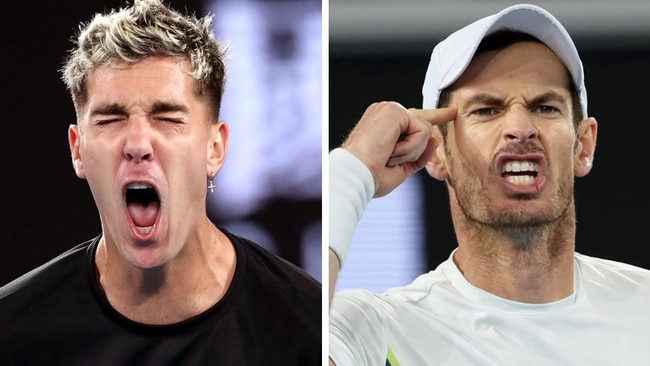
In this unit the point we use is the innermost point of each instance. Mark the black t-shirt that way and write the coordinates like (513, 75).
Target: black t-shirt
(58, 315)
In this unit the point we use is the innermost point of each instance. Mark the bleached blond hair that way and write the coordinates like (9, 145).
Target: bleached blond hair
(147, 28)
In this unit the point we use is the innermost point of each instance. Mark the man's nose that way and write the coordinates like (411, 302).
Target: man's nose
(519, 124)
(138, 141)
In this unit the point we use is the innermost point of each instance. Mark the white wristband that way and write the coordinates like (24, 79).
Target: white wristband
(351, 187)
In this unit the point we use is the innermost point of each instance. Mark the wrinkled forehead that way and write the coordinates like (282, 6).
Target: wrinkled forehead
(529, 62)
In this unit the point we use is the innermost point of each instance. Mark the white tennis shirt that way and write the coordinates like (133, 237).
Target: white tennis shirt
(442, 319)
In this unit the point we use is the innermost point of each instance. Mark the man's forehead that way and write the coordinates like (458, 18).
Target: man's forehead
(523, 62)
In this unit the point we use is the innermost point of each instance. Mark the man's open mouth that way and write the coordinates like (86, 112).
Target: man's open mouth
(520, 172)
(143, 204)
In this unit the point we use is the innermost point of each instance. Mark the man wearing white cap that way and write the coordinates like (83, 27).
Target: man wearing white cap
(505, 126)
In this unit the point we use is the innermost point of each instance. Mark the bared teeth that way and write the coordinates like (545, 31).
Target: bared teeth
(139, 185)
(144, 230)
(520, 172)
(516, 166)
(520, 179)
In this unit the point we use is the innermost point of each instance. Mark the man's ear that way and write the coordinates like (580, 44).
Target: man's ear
(586, 147)
(437, 164)
(217, 146)
(74, 141)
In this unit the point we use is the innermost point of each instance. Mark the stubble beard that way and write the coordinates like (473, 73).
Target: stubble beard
(522, 227)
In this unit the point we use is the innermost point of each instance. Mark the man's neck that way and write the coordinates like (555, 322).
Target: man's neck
(539, 272)
(188, 285)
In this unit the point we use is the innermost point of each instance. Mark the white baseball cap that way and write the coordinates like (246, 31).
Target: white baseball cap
(451, 57)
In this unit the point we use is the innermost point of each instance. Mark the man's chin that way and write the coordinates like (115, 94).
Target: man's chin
(147, 256)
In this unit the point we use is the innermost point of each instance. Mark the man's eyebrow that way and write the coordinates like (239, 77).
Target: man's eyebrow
(483, 98)
(118, 109)
(549, 96)
(162, 107)
(487, 99)
(108, 109)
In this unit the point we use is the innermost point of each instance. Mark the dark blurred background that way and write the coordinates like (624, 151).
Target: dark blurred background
(380, 51)
(45, 209)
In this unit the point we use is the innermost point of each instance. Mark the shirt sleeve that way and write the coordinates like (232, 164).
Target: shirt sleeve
(357, 329)
(351, 187)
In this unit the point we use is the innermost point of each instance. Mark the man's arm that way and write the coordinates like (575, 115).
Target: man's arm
(388, 144)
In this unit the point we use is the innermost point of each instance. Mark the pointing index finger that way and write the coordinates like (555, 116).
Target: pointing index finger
(437, 116)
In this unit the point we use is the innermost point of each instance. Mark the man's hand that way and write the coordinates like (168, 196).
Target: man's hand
(394, 142)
